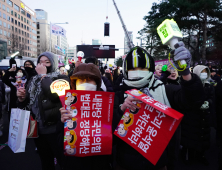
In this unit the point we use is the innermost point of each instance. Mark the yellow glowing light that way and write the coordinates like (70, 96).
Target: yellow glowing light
(22, 5)
(59, 86)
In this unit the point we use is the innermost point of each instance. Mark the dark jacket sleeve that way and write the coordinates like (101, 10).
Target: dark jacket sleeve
(2, 92)
(188, 95)
(117, 112)
(117, 83)
(107, 83)
(218, 91)
(1, 95)
(70, 73)
(46, 82)
(6, 77)
(164, 76)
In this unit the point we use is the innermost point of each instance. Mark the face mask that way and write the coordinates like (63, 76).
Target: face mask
(137, 74)
(203, 76)
(19, 74)
(49, 69)
(86, 86)
(29, 69)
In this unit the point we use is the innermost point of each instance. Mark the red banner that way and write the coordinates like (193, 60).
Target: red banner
(150, 128)
(89, 132)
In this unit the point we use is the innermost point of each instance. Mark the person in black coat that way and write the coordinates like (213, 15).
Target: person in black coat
(44, 107)
(214, 75)
(2, 100)
(218, 94)
(30, 69)
(170, 77)
(116, 74)
(9, 78)
(118, 84)
(195, 135)
(138, 74)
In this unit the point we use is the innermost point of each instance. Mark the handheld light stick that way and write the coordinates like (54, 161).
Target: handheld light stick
(170, 34)
(80, 55)
(60, 86)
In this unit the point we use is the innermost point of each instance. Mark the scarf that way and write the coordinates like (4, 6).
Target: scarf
(151, 87)
(35, 87)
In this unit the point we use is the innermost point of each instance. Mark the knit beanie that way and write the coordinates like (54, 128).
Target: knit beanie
(138, 57)
(213, 69)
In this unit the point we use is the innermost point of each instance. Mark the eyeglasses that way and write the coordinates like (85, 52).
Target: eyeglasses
(27, 65)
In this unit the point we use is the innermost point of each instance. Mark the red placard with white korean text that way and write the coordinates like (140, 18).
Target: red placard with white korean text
(89, 132)
(150, 128)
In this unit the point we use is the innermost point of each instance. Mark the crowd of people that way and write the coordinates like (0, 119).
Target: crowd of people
(196, 93)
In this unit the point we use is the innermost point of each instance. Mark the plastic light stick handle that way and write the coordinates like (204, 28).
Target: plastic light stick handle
(80, 58)
(172, 42)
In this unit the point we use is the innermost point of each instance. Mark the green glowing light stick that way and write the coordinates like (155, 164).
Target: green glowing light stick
(170, 34)
(164, 68)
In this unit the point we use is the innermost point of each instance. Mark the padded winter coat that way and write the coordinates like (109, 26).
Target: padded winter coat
(195, 126)
(48, 103)
(188, 95)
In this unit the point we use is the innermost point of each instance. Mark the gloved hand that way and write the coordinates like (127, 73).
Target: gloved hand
(181, 53)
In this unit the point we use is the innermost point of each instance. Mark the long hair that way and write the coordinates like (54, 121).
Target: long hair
(109, 77)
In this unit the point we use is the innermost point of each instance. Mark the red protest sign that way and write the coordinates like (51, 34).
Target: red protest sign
(89, 132)
(150, 128)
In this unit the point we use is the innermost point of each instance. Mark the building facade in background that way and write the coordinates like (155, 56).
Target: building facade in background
(71, 52)
(62, 43)
(43, 33)
(126, 48)
(17, 29)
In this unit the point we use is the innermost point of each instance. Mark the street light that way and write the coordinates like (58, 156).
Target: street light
(50, 43)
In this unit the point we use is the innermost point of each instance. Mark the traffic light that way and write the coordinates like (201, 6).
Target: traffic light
(106, 29)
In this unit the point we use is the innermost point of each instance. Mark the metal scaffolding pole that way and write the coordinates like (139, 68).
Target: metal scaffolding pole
(129, 41)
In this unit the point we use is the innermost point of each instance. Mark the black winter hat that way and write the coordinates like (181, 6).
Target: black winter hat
(138, 57)
(92, 60)
(213, 69)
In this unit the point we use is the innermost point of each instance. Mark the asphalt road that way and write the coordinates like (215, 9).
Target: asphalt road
(29, 160)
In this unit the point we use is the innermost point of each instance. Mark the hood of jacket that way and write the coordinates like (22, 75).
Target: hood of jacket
(199, 68)
(52, 58)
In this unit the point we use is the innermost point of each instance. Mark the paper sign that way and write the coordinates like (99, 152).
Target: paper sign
(60, 86)
(89, 132)
(150, 128)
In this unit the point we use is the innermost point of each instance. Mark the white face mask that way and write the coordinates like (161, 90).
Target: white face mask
(19, 74)
(136, 74)
(203, 76)
(86, 86)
